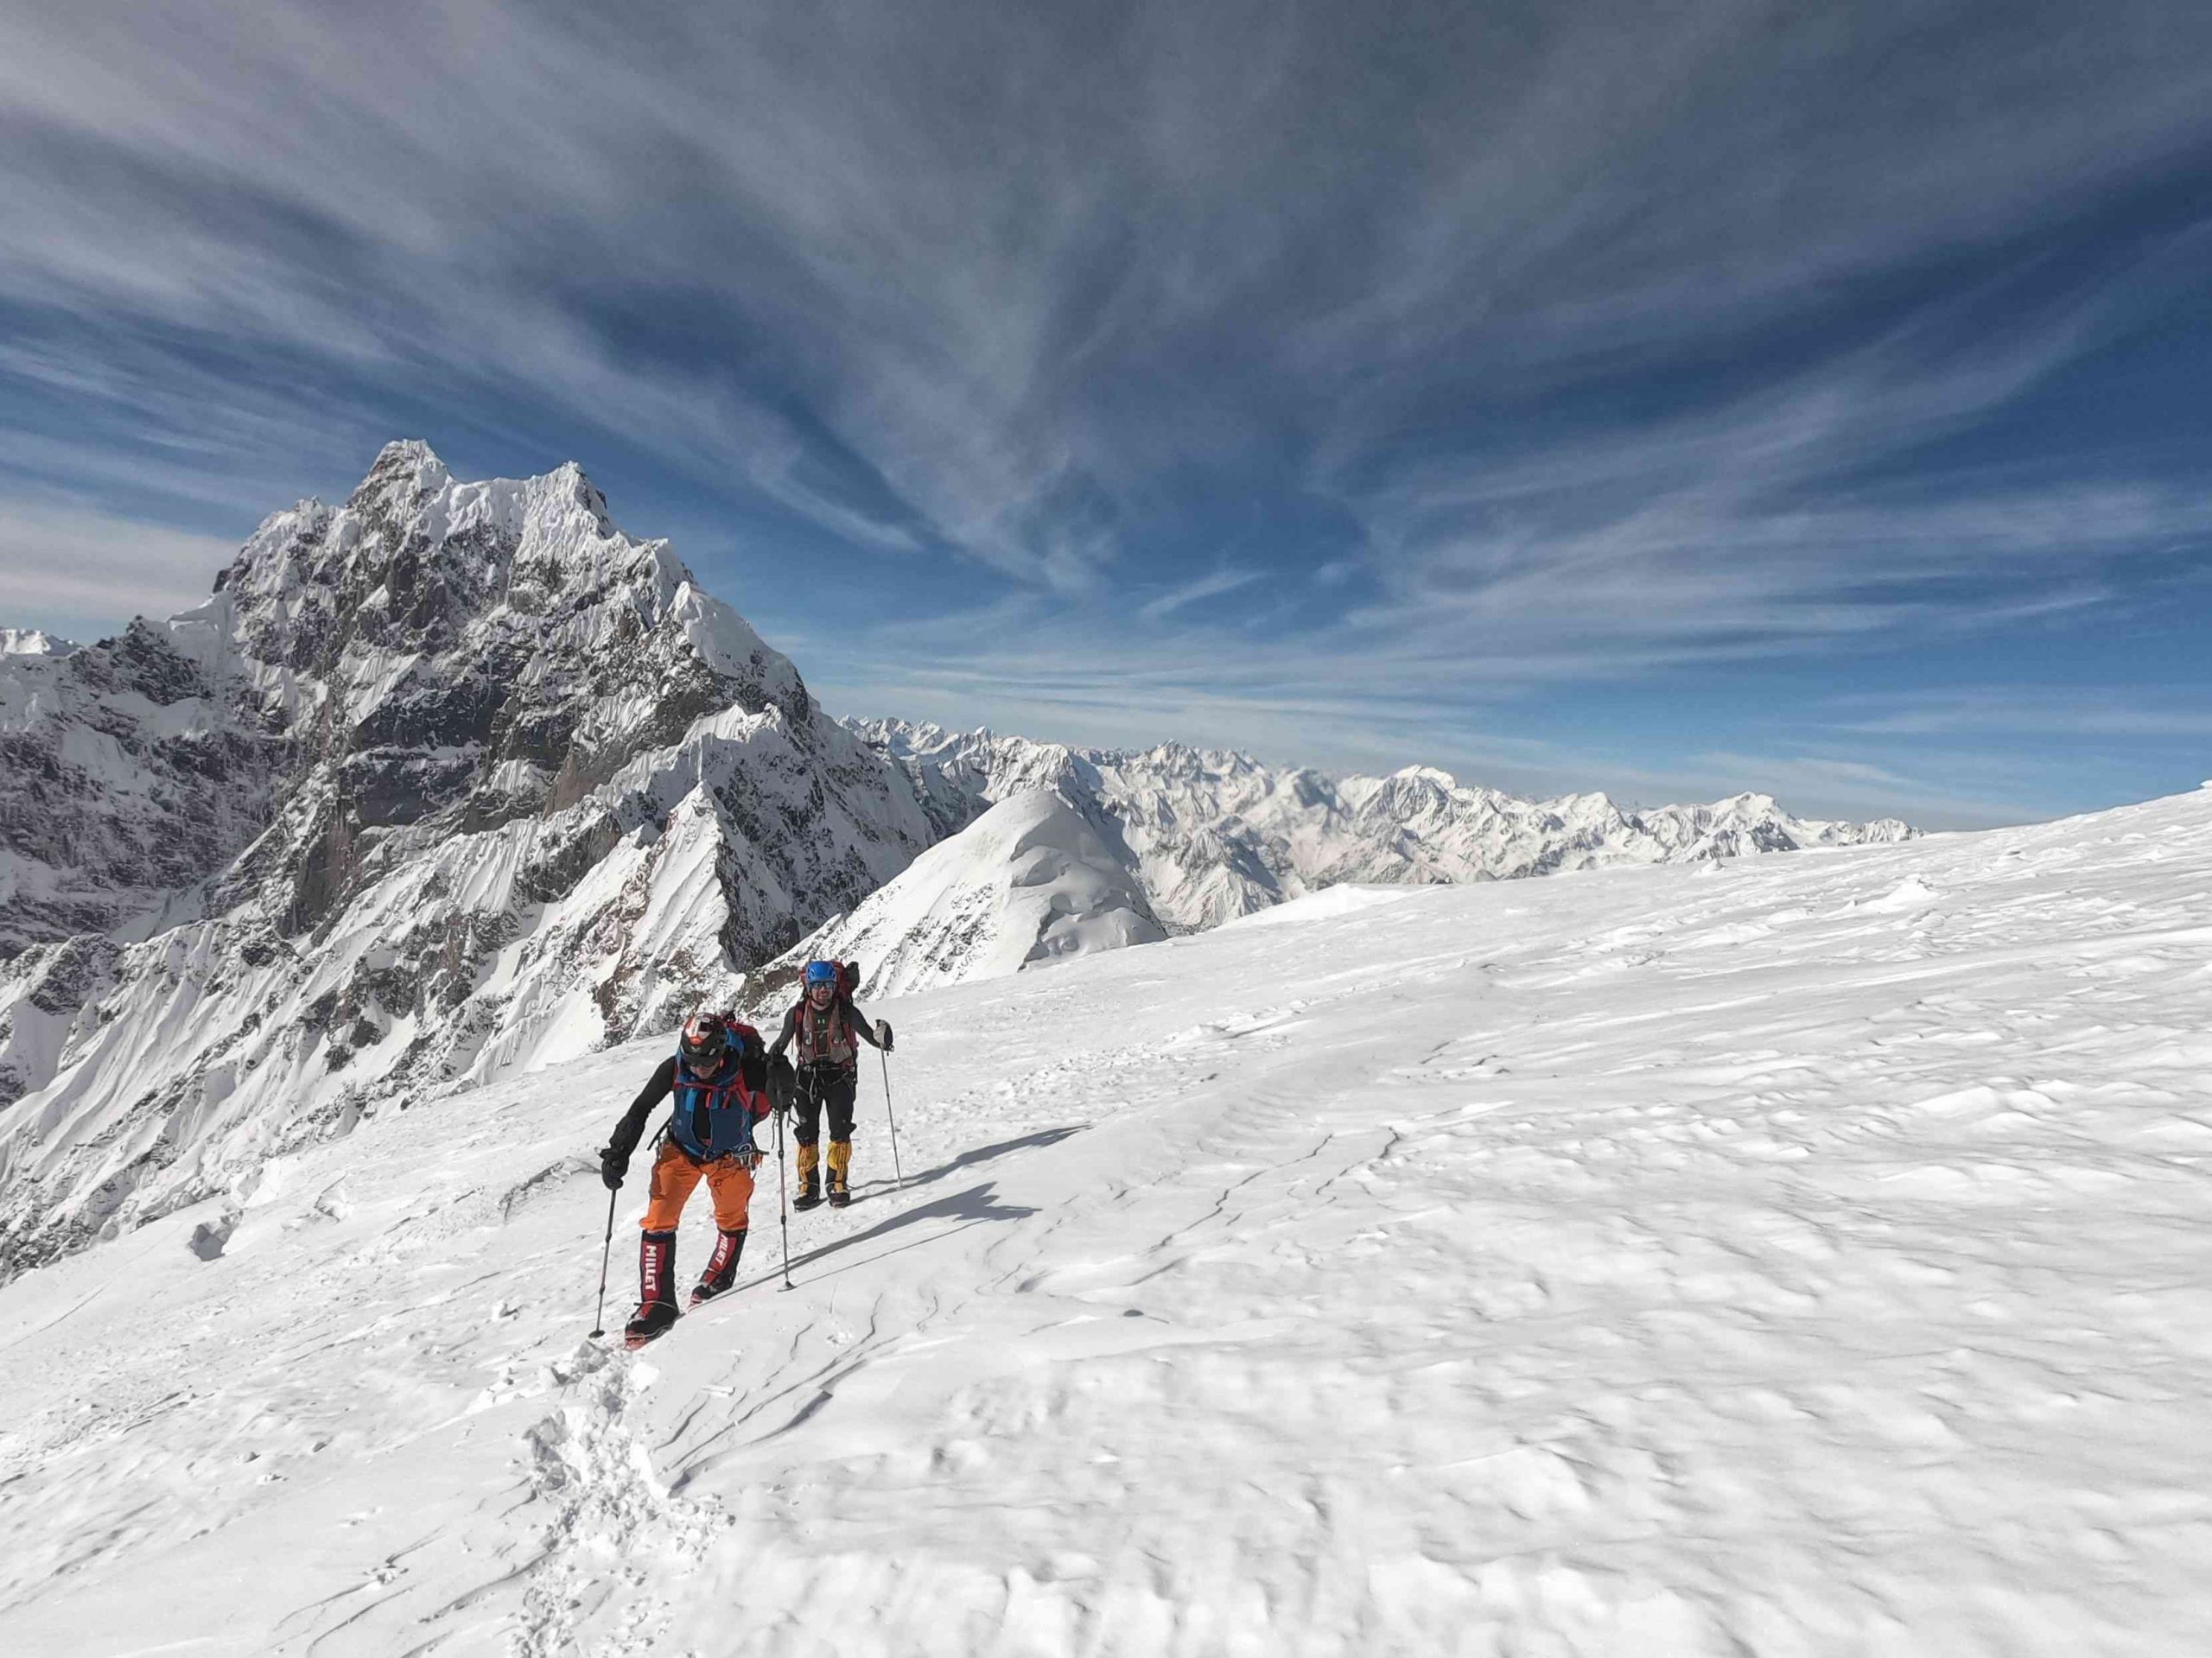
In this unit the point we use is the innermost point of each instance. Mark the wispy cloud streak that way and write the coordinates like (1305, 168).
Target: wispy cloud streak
(1556, 344)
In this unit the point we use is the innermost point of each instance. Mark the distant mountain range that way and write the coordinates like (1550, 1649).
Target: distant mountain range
(457, 779)
(1048, 850)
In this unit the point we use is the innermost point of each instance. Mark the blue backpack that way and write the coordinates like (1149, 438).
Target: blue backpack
(714, 1112)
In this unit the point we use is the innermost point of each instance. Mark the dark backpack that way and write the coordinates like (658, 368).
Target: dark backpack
(713, 1119)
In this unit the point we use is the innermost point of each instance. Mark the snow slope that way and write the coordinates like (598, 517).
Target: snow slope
(1801, 1257)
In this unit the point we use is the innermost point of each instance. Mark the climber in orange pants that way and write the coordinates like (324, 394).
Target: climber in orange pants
(718, 1076)
(676, 1175)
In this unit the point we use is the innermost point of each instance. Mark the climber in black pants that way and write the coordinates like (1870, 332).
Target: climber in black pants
(825, 1030)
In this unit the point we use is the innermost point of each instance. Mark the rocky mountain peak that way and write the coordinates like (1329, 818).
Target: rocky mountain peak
(452, 779)
(1426, 776)
(1748, 804)
(405, 472)
(466, 651)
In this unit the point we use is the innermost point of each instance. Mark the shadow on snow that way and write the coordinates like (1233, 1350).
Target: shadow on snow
(975, 1205)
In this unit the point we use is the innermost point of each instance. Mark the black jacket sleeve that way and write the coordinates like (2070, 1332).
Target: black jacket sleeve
(752, 1063)
(632, 1129)
(783, 1037)
(863, 1026)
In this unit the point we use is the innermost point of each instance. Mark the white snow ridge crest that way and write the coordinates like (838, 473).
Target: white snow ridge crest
(1028, 882)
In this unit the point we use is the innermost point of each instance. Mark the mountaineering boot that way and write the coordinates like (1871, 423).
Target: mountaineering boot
(656, 1289)
(841, 1169)
(653, 1320)
(810, 1178)
(721, 1267)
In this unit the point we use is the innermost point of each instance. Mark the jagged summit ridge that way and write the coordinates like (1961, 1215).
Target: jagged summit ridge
(525, 589)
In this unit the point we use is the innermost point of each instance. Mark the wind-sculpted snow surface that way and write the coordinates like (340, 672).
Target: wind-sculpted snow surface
(1798, 1256)
(1211, 835)
(453, 780)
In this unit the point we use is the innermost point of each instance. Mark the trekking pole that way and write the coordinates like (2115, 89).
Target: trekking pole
(892, 1115)
(783, 1208)
(605, 1254)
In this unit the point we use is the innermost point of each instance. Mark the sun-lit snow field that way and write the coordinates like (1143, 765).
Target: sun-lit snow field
(1811, 1254)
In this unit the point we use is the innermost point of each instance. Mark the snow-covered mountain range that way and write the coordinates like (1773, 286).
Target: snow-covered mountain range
(458, 779)
(1178, 840)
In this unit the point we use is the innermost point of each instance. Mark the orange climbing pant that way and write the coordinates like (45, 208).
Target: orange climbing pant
(676, 1175)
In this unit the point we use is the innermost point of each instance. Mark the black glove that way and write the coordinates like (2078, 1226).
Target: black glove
(613, 1165)
(883, 1034)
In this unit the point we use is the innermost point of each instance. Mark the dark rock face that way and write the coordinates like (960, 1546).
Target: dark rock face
(48, 983)
(122, 781)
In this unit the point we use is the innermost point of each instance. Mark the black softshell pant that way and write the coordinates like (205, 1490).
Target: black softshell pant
(830, 1087)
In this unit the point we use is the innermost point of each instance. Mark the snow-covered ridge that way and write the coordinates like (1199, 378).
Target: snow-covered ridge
(1027, 883)
(34, 642)
(1180, 840)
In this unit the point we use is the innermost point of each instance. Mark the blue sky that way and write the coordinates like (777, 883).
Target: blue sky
(1670, 400)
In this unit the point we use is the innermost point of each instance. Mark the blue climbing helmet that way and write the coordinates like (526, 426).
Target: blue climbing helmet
(821, 973)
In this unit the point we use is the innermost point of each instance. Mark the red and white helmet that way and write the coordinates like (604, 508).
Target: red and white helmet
(705, 1041)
